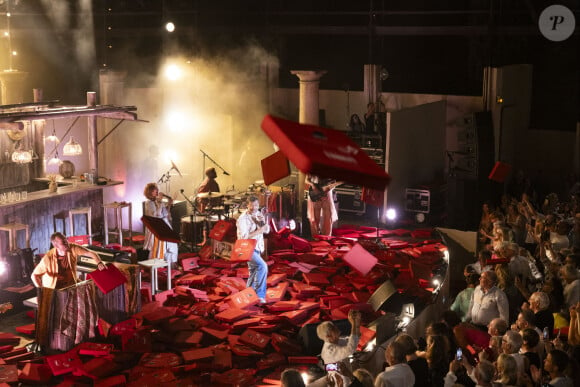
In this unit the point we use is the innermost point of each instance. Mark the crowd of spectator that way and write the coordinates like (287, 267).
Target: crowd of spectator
(516, 321)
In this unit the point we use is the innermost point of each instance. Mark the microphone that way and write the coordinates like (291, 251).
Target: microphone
(182, 190)
(167, 196)
(225, 173)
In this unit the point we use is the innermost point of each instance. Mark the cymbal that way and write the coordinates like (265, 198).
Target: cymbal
(204, 195)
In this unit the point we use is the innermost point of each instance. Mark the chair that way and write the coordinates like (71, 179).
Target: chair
(153, 265)
(12, 229)
(85, 211)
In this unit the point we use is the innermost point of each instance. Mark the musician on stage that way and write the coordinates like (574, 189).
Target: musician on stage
(156, 207)
(208, 185)
(252, 225)
(321, 204)
(58, 268)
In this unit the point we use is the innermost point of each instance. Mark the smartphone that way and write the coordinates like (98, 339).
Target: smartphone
(331, 367)
(459, 354)
(546, 333)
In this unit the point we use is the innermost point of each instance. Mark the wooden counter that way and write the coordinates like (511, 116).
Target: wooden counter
(44, 211)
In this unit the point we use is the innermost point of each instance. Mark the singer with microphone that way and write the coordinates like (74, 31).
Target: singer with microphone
(252, 225)
(156, 207)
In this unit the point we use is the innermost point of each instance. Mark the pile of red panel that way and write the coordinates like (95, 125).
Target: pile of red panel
(211, 330)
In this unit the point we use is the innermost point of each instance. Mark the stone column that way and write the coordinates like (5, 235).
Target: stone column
(38, 127)
(111, 92)
(309, 86)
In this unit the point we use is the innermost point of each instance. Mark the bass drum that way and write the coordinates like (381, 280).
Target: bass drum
(192, 232)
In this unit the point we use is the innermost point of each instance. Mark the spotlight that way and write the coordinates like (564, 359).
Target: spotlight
(173, 72)
(406, 316)
(391, 214)
(170, 27)
(305, 377)
(3, 268)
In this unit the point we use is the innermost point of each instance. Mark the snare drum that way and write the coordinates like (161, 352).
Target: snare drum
(192, 232)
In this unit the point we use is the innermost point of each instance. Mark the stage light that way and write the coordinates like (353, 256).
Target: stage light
(391, 214)
(173, 72)
(446, 255)
(170, 27)
(3, 268)
(176, 121)
(305, 377)
(406, 316)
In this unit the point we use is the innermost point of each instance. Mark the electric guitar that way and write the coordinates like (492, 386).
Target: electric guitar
(317, 192)
(5, 307)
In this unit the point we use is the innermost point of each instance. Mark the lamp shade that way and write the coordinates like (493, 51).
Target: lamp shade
(21, 156)
(72, 148)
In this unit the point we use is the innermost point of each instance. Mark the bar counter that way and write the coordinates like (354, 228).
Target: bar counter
(46, 212)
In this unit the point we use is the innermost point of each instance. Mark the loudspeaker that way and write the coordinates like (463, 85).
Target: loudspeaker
(309, 339)
(475, 156)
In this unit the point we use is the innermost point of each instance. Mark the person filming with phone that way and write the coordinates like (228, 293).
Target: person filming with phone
(336, 349)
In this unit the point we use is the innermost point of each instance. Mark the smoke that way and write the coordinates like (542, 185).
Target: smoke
(207, 115)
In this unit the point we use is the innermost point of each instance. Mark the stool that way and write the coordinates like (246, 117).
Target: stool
(12, 229)
(81, 211)
(118, 215)
(153, 265)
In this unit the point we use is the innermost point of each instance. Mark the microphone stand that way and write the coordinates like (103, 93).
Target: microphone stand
(194, 212)
(213, 161)
(165, 179)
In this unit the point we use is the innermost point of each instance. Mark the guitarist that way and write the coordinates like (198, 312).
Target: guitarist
(321, 211)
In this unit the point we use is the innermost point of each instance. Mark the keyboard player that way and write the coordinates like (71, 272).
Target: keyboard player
(58, 268)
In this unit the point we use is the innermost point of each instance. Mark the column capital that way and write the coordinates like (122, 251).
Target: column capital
(308, 75)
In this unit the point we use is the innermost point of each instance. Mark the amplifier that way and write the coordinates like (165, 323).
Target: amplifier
(350, 199)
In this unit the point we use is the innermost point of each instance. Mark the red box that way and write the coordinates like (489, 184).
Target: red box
(197, 354)
(217, 333)
(206, 251)
(271, 360)
(112, 381)
(94, 349)
(28, 329)
(9, 373)
(243, 250)
(35, 373)
(360, 259)
(316, 278)
(137, 341)
(285, 345)
(188, 337)
(82, 240)
(244, 298)
(300, 245)
(220, 230)
(242, 350)
(325, 152)
(63, 363)
(274, 279)
(97, 367)
(275, 167)
(107, 279)
(277, 293)
(254, 339)
(499, 172)
(222, 359)
(233, 314)
(189, 263)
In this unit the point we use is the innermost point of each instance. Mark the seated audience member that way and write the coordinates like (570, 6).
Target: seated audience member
(437, 359)
(530, 343)
(511, 343)
(507, 370)
(291, 378)
(398, 373)
(335, 348)
(418, 364)
(555, 365)
(526, 319)
(457, 375)
(571, 278)
(487, 302)
(364, 378)
(505, 282)
(461, 303)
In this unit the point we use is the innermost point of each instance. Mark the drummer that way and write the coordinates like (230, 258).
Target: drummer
(204, 201)
(207, 186)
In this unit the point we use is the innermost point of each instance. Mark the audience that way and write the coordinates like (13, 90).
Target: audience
(398, 373)
(527, 276)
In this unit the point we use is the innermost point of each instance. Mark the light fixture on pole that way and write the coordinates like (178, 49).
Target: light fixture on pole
(72, 148)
